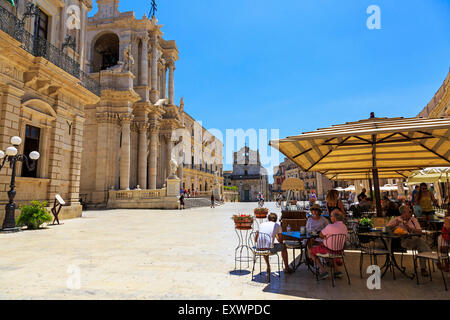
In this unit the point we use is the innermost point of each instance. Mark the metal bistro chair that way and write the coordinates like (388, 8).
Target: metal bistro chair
(260, 250)
(337, 241)
(440, 256)
(352, 239)
(368, 246)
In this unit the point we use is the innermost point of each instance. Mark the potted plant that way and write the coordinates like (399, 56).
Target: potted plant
(261, 213)
(243, 221)
(365, 225)
(34, 215)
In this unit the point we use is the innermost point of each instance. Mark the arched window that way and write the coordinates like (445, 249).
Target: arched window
(105, 52)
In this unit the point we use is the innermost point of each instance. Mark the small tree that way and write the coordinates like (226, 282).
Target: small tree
(34, 215)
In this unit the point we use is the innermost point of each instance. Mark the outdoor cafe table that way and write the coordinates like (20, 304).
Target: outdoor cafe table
(300, 237)
(386, 238)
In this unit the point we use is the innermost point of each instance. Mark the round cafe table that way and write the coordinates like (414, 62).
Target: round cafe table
(386, 238)
(299, 237)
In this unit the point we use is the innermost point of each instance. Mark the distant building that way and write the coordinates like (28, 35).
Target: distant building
(248, 175)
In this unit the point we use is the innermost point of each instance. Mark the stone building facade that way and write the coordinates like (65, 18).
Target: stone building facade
(135, 130)
(43, 93)
(201, 156)
(439, 106)
(249, 175)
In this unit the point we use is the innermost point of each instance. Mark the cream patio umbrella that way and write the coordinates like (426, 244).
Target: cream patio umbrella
(432, 175)
(290, 185)
(374, 147)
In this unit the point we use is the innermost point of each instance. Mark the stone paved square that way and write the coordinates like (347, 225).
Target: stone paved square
(153, 254)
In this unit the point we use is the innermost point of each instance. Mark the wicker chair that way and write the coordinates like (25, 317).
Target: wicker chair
(337, 241)
(259, 250)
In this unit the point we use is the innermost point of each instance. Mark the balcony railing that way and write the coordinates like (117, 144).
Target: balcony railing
(40, 47)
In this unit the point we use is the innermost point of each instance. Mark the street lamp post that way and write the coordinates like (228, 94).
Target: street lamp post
(11, 155)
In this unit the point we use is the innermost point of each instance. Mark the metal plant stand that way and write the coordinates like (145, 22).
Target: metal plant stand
(243, 247)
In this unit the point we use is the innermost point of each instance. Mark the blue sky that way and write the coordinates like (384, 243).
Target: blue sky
(299, 65)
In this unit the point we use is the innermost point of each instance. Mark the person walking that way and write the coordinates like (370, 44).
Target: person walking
(212, 201)
(182, 201)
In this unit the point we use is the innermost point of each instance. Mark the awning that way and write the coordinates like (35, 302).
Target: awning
(430, 175)
(371, 148)
(346, 152)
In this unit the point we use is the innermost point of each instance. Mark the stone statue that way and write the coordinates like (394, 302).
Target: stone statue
(181, 105)
(128, 58)
(173, 167)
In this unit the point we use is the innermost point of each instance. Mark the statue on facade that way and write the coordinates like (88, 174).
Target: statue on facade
(181, 105)
(128, 58)
(173, 168)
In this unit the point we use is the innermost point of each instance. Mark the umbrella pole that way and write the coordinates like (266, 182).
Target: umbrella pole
(376, 182)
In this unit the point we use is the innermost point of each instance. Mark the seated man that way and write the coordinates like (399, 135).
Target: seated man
(409, 223)
(336, 227)
(273, 229)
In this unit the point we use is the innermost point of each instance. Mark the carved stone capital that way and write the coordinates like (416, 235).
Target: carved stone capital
(142, 127)
(153, 126)
(106, 117)
(126, 118)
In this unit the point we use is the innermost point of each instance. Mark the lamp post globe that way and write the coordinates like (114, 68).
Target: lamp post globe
(15, 141)
(11, 151)
(11, 155)
(34, 155)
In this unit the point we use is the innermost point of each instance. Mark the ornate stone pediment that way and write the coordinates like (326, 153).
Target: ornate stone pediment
(39, 108)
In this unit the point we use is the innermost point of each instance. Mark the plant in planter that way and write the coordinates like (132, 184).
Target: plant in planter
(261, 213)
(34, 215)
(243, 221)
(365, 225)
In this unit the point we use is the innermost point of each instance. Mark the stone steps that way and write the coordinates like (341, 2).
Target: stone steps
(196, 202)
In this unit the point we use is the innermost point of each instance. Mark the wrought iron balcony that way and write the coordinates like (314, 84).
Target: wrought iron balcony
(40, 47)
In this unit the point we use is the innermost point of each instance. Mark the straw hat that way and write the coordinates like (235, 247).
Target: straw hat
(316, 207)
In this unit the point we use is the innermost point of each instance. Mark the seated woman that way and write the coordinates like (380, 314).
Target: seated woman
(315, 224)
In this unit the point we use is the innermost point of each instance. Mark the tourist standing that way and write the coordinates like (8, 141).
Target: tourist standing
(425, 199)
(333, 202)
(182, 201)
(212, 201)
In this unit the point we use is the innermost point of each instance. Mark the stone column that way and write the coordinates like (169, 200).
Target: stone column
(164, 83)
(153, 155)
(83, 36)
(171, 82)
(169, 147)
(75, 165)
(125, 151)
(155, 55)
(144, 62)
(142, 160)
